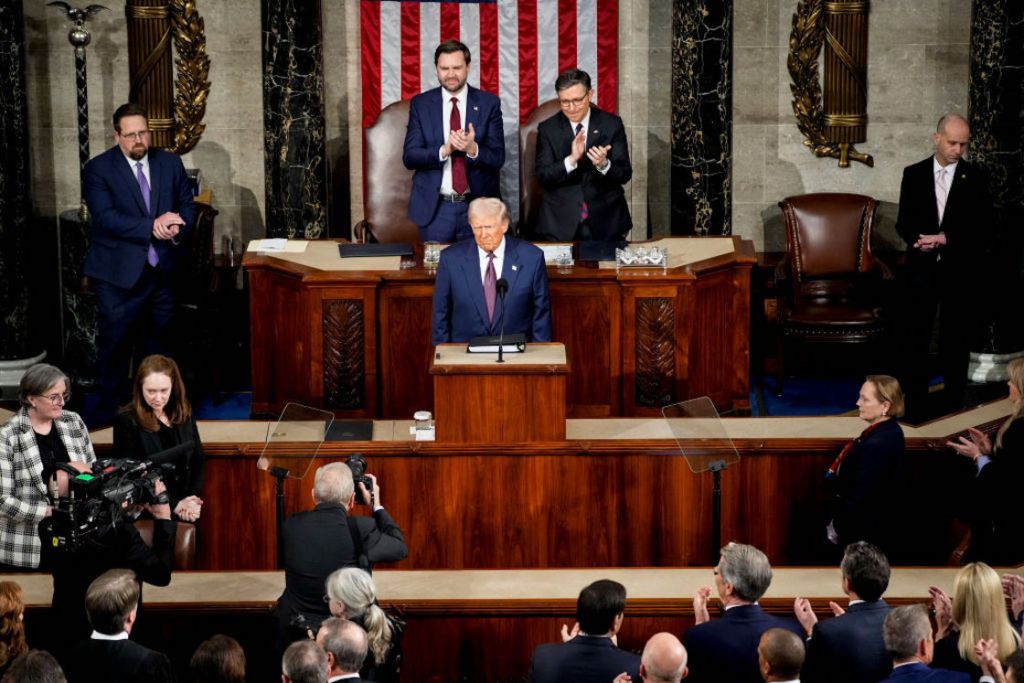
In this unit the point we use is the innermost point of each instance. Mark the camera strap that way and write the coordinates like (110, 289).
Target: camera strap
(363, 562)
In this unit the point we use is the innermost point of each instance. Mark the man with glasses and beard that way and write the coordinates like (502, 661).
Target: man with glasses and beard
(140, 205)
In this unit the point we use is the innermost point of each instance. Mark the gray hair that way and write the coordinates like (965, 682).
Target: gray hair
(345, 640)
(333, 483)
(305, 662)
(747, 569)
(355, 590)
(35, 666)
(40, 377)
(488, 206)
(904, 629)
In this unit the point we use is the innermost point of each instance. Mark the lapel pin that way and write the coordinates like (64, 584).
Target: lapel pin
(476, 108)
(515, 267)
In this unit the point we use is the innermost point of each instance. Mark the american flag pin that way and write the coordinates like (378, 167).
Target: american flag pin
(515, 267)
(476, 108)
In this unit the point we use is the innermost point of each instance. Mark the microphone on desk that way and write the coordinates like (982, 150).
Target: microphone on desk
(502, 288)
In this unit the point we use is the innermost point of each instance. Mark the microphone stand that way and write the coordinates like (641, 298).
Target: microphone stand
(502, 286)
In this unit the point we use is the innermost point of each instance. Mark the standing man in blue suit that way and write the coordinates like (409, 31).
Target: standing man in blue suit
(141, 205)
(465, 292)
(456, 145)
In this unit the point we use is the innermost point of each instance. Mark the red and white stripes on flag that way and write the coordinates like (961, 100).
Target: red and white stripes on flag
(518, 48)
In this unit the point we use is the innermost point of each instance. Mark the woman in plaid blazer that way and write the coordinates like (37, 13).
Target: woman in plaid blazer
(39, 437)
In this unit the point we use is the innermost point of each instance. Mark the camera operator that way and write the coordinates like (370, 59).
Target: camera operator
(113, 546)
(318, 541)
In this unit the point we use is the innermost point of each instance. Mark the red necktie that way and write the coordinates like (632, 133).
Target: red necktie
(490, 286)
(459, 182)
(584, 210)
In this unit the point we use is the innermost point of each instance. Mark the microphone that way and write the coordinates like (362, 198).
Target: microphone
(502, 288)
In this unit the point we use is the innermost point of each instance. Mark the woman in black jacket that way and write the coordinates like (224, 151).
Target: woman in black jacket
(159, 418)
(992, 511)
(866, 472)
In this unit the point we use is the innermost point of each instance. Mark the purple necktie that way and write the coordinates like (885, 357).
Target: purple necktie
(584, 210)
(490, 286)
(151, 257)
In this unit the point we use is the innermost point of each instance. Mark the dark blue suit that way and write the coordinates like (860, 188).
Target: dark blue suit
(127, 289)
(460, 311)
(725, 649)
(584, 659)
(425, 135)
(849, 648)
(919, 673)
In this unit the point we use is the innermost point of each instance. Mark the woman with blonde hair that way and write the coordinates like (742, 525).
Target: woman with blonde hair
(996, 536)
(976, 612)
(352, 594)
(12, 624)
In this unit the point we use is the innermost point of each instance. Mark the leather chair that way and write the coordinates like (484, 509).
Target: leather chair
(531, 194)
(184, 542)
(387, 183)
(831, 292)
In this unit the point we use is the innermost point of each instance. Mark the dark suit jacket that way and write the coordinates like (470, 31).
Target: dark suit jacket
(564, 193)
(997, 536)
(425, 135)
(460, 311)
(919, 673)
(583, 659)
(849, 648)
(117, 661)
(866, 485)
(133, 442)
(121, 228)
(966, 221)
(318, 541)
(725, 649)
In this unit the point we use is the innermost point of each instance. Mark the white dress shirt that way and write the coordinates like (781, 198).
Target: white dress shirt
(96, 635)
(499, 260)
(145, 170)
(570, 165)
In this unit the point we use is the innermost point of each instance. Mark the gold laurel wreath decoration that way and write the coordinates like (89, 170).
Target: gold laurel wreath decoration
(805, 41)
(192, 85)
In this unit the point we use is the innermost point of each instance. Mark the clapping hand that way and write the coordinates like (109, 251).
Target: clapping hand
(943, 607)
(700, 604)
(988, 658)
(976, 445)
(568, 635)
(1013, 588)
(804, 614)
(598, 155)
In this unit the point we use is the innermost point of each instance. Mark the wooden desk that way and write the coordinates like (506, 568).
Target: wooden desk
(355, 338)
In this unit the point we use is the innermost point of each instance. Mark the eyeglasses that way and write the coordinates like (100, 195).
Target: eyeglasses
(571, 104)
(138, 135)
(58, 399)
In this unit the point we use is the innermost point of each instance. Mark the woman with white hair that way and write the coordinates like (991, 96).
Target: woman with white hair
(34, 445)
(351, 594)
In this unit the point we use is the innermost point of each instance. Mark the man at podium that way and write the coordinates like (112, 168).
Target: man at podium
(479, 280)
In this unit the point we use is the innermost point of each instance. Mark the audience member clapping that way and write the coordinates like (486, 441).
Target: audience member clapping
(219, 659)
(976, 612)
(304, 662)
(992, 669)
(1013, 588)
(12, 624)
(780, 656)
(345, 645)
(35, 666)
(352, 594)
(908, 637)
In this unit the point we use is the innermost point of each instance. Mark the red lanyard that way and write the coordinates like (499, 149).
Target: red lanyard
(833, 470)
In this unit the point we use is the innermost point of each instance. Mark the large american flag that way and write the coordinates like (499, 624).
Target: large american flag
(518, 48)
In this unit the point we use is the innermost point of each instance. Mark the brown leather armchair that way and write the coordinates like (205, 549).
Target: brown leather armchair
(184, 542)
(387, 183)
(531, 194)
(831, 292)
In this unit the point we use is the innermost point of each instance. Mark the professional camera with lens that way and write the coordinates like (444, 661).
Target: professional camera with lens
(103, 499)
(357, 463)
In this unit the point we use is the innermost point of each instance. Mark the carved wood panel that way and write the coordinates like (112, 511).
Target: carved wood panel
(344, 364)
(655, 352)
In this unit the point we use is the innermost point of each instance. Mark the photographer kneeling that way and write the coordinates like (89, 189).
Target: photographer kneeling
(319, 541)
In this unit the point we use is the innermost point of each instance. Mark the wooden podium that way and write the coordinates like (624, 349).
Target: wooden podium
(478, 400)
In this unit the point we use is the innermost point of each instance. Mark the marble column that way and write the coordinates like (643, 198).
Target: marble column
(15, 341)
(997, 144)
(701, 117)
(294, 132)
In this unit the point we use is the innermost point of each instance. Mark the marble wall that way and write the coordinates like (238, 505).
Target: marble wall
(917, 69)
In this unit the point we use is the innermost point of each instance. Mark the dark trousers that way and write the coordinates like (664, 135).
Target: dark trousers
(450, 224)
(134, 319)
(930, 292)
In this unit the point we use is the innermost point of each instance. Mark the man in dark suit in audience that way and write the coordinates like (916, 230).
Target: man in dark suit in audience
(345, 644)
(466, 300)
(455, 144)
(590, 653)
(849, 647)
(945, 219)
(112, 603)
(318, 541)
(726, 649)
(140, 205)
(908, 638)
(780, 656)
(582, 164)
(304, 662)
(663, 661)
